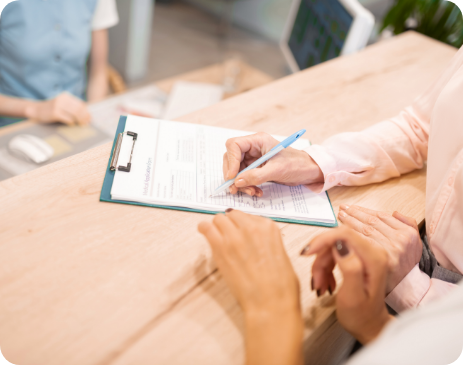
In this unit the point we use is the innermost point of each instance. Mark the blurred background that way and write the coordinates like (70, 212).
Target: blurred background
(189, 34)
(182, 35)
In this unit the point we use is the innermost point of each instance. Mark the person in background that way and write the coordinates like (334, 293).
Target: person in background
(44, 49)
(250, 255)
(431, 130)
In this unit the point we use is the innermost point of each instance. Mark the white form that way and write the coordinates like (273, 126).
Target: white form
(148, 101)
(180, 164)
(187, 97)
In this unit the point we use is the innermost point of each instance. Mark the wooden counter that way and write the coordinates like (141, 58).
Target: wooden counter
(86, 282)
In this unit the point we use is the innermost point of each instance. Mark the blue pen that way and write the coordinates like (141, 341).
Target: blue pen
(279, 147)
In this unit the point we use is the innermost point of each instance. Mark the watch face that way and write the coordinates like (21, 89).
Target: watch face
(319, 31)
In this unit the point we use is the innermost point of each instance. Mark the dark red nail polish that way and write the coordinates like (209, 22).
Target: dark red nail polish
(342, 248)
(305, 249)
(228, 210)
(311, 284)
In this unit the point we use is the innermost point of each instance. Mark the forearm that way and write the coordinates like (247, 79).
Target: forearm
(98, 78)
(273, 339)
(385, 150)
(381, 152)
(97, 86)
(374, 329)
(16, 107)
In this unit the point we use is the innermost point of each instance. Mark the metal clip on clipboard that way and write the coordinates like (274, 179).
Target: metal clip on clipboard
(117, 150)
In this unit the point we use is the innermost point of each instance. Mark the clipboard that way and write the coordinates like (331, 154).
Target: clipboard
(105, 195)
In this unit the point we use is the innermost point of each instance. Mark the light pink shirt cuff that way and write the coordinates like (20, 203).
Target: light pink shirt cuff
(437, 289)
(410, 291)
(327, 164)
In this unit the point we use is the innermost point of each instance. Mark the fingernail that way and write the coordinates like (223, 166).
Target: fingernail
(311, 284)
(342, 214)
(240, 183)
(330, 291)
(341, 247)
(228, 210)
(305, 250)
(318, 293)
(344, 207)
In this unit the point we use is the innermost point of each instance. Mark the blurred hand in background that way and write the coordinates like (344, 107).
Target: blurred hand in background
(64, 108)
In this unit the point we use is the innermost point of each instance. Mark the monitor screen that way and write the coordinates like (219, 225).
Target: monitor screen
(319, 31)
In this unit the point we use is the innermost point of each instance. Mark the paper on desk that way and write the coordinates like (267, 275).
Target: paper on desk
(187, 97)
(180, 164)
(147, 101)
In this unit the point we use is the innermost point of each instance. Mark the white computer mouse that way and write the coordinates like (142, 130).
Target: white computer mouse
(31, 148)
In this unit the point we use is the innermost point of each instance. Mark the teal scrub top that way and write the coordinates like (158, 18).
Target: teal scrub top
(44, 47)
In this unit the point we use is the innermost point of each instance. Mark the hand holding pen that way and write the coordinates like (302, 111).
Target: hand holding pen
(289, 167)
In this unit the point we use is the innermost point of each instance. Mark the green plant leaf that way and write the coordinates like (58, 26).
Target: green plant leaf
(398, 14)
(439, 19)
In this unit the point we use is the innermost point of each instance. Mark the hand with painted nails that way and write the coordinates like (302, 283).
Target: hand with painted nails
(250, 255)
(360, 306)
(395, 232)
(289, 167)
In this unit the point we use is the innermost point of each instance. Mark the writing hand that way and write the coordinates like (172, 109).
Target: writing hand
(289, 167)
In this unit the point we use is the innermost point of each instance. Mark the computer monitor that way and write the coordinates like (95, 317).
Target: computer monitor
(319, 30)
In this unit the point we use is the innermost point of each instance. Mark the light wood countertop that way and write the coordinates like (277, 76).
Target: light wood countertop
(87, 282)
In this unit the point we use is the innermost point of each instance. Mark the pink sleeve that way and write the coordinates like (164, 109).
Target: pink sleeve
(415, 289)
(385, 150)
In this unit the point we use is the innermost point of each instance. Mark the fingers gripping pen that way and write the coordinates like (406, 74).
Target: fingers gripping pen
(278, 148)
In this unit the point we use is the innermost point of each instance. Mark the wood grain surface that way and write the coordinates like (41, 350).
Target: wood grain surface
(87, 282)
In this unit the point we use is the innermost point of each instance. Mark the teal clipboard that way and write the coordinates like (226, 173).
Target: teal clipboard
(105, 195)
